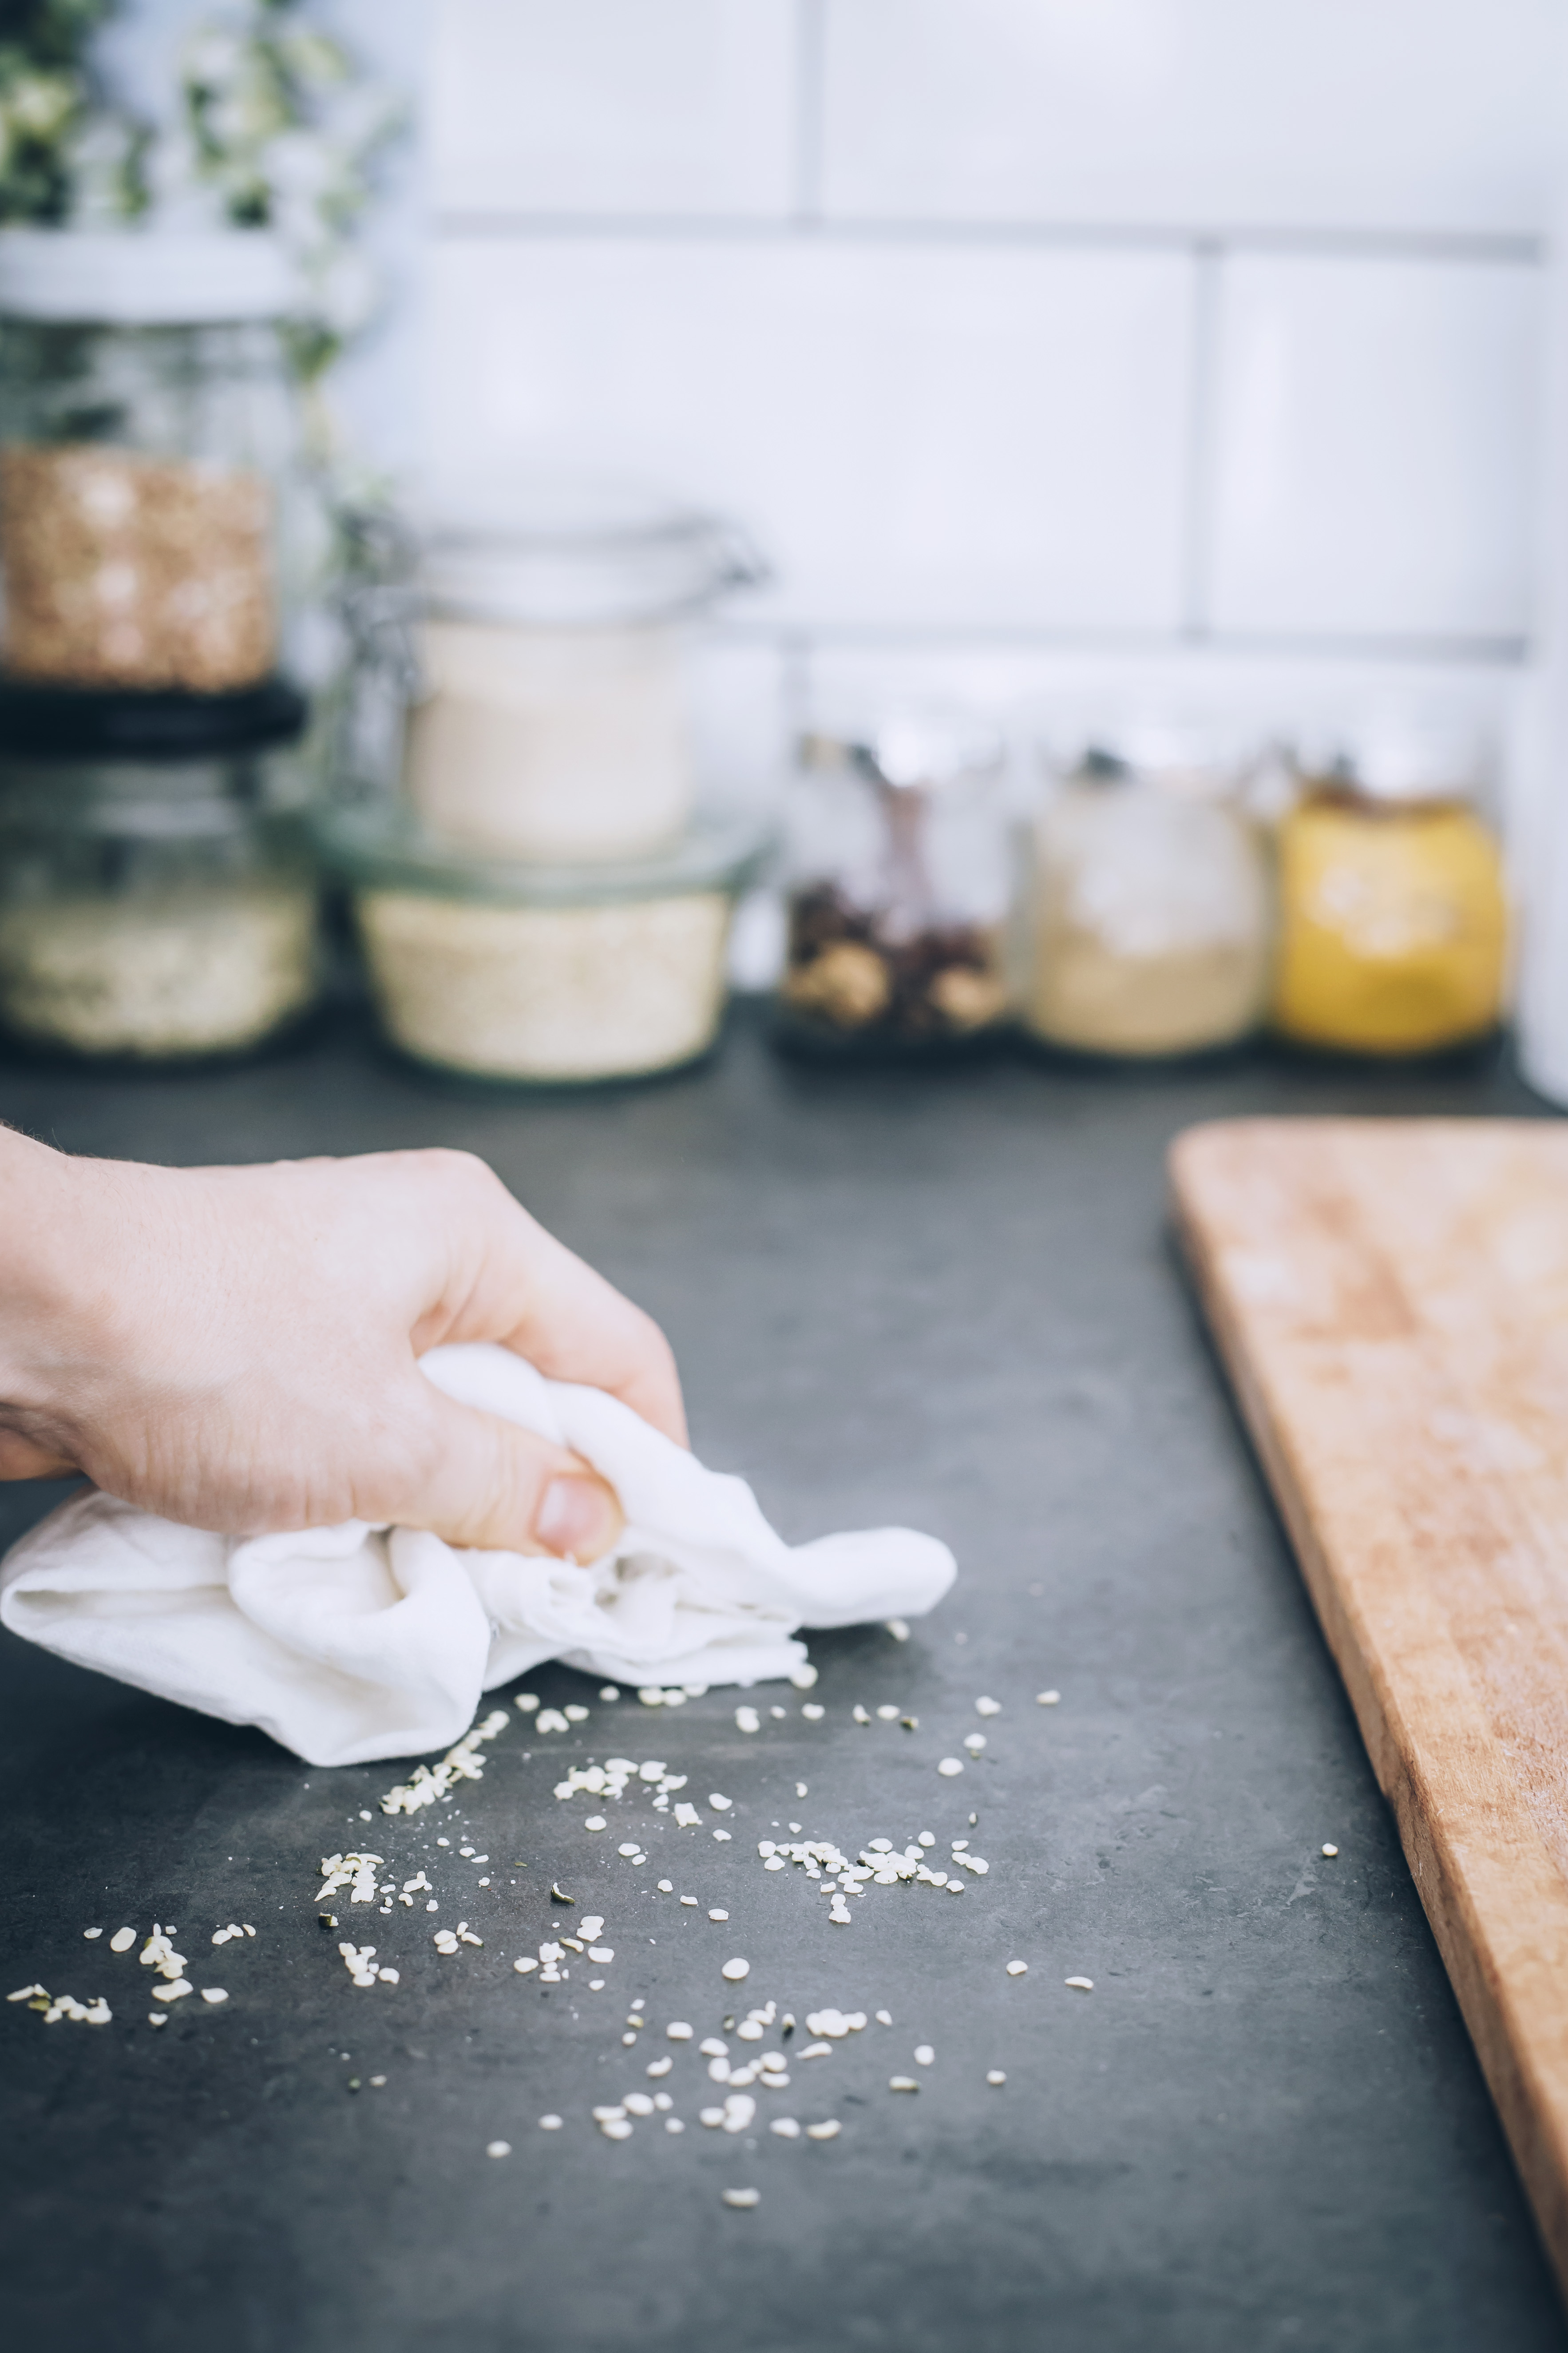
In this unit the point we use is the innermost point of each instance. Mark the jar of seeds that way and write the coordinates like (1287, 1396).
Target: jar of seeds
(899, 890)
(147, 446)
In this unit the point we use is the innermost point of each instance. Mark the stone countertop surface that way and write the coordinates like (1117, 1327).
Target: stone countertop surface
(948, 1299)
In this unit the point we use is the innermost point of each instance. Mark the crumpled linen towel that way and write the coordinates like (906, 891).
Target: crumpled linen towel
(355, 1643)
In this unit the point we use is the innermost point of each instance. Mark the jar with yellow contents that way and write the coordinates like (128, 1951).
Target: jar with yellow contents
(1394, 920)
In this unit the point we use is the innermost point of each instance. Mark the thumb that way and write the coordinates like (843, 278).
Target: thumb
(500, 1489)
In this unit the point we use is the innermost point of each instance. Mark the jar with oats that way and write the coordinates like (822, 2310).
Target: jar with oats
(1393, 934)
(551, 975)
(148, 443)
(158, 899)
(899, 891)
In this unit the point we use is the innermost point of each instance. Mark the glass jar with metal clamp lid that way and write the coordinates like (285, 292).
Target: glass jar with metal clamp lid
(899, 889)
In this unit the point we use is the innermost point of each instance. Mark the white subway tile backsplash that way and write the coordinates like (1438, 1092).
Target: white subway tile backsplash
(1375, 435)
(1359, 114)
(921, 435)
(614, 106)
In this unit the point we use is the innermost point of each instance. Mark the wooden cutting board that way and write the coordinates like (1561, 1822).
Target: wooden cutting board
(1391, 1299)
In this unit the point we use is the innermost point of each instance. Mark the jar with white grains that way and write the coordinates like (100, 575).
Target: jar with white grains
(551, 720)
(550, 974)
(158, 900)
(1150, 915)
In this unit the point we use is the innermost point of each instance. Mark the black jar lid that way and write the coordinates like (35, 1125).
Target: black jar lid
(63, 722)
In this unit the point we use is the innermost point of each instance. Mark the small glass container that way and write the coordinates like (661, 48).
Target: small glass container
(552, 720)
(1150, 912)
(554, 975)
(898, 892)
(148, 440)
(1394, 912)
(158, 900)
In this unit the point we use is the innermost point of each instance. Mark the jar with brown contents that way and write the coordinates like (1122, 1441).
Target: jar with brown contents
(147, 446)
(899, 902)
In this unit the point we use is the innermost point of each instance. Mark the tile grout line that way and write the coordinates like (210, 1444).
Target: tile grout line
(810, 104)
(1202, 444)
(1482, 249)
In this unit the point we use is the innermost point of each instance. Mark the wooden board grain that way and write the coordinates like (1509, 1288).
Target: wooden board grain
(1390, 1300)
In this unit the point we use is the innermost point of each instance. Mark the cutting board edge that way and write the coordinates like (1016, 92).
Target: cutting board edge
(1535, 2134)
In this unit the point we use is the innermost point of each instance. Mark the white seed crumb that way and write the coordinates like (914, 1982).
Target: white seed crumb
(1047, 1699)
(609, 1691)
(651, 1695)
(1017, 1968)
(575, 1713)
(601, 1952)
(887, 1715)
(122, 1940)
(676, 1698)
(637, 2103)
(897, 1629)
(156, 2018)
(596, 1822)
(786, 2128)
(629, 1848)
(723, 1837)
(884, 2017)
(525, 1966)
(996, 2076)
(803, 1676)
(666, 1886)
(550, 2123)
(975, 1742)
(526, 1702)
(673, 2125)
(596, 1985)
(214, 1993)
(90, 1932)
(859, 1714)
(660, 2066)
(902, 2084)
(497, 2149)
(661, 2101)
(735, 1971)
(800, 1789)
(1330, 1850)
(678, 2031)
(812, 1712)
(711, 2117)
(741, 2197)
(747, 1720)
(948, 1765)
(778, 1714)
(714, 2048)
(718, 1915)
(616, 2128)
(827, 2130)
(628, 2040)
(924, 2054)
(987, 1708)
(719, 1803)
(1084, 1985)
(689, 1899)
(927, 1838)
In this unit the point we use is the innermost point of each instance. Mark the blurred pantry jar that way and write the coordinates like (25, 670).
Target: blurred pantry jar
(148, 453)
(1149, 916)
(158, 897)
(551, 721)
(899, 890)
(554, 975)
(1393, 933)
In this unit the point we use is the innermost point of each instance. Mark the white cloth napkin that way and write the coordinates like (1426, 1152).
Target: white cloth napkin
(355, 1643)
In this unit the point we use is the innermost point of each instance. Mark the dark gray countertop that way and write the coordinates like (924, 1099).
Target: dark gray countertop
(948, 1299)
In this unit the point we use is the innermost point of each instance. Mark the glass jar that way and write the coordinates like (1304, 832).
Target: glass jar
(157, 893)
(1150, 915)
(1394, 914)
(552, 722)
(898, 890)
(147, 442)
(562, 975)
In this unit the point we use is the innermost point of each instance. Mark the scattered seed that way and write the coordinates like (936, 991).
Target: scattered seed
(996, 2076)
(735, 1971)
(723, 1836)
(859, 1715)
(214, 1993)
(637, 2103)
(616, 2128)
(803, 1676)
(720, 1805)
(689, 1899)
(924, 2054)
(718, 1915)
(525, 1702)
(90, 1932)
(887, 1715)
(800, 1789)
(673, 2125)
(910, 1722)
(747, 1720)
(666, 1886)
(902, 2084)
(651, 1695)
(741, 2197)
(884, 2017)
(711, 2117)
(1017, 1968)
(1329, 1851)
(827, 2130)
(525, 1966)
(812, 1712)
(898, 1630)
(552, 2123)
(609, 1691)
(739, 2110)
(660, 2066)
(122, 1940)
(596, 1822)
(950, 1765)
(785, 2127)
(575, 1715)
(975, 1742)
(1047, 1699)
(497, 2149)
(1084, 1985)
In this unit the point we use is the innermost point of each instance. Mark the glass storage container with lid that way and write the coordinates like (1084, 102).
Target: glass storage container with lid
(1394, 916)
(550, 973)
(157, 892)
(1150, 918)
(898, 889)
(148, 438)
(552, 720)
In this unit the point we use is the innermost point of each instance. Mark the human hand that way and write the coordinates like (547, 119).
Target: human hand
(236, 1349)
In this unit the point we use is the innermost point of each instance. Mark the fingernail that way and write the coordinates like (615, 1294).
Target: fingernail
(577, 1516)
